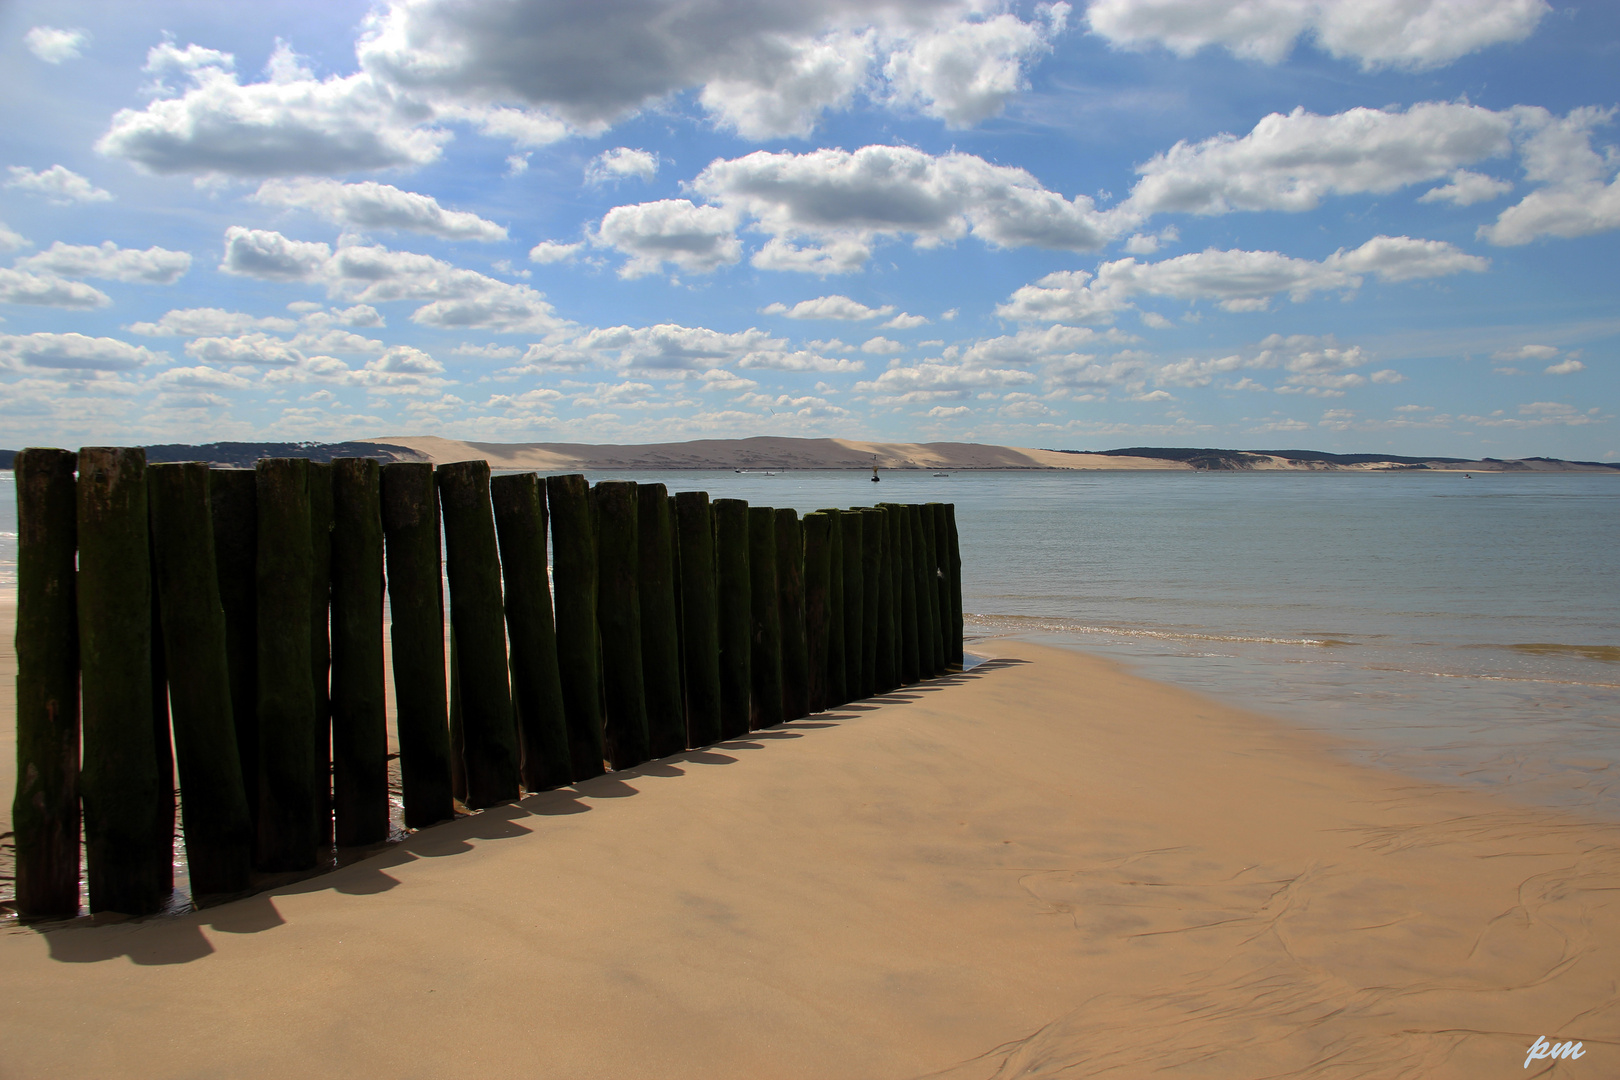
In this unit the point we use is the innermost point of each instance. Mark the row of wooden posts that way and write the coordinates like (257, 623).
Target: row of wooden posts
(228, 624)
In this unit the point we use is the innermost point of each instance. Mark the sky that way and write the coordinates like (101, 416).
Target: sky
(1344, 225)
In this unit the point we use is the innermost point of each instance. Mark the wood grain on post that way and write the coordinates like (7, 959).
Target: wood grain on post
(458, 733)
(410, 515)
(473, 565)
(765, 703)
(906, 592)
(735, 624)
(618, 573)
(660, 624)
(520, 526)
(790, 590)
(817, 565)
(233, 496)
(955, 572)
(218, 828)
(320, 640)
(45, 812)
(359, 705)
(854, 601)
(928, 641)
(700, 619)
(940, 548)
(872, 588)
(574, 574)
(129, 866)
(835, 664)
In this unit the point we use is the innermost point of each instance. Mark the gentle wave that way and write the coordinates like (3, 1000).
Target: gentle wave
(1608, 654)
(1031, 622)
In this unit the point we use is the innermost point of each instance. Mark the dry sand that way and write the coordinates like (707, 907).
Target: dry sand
(1042, 867)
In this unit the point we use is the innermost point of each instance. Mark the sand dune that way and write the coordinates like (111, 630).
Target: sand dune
(1041, 867)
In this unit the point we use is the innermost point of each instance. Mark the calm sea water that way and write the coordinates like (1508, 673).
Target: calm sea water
(1459, 629)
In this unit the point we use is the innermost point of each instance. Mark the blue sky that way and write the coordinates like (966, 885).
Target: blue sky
(1351, 225)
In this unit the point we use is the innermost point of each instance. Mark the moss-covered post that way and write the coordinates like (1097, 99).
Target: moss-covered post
(700, 617)
(660, 624)
(872, 587)
(520, 526)
(618, 553)
(45, 813)
(320, 640)
(854, 600)
(790, 593)
(233, 505)
(410, 514)
(765, 702)
(359, 707)
(473, 566)
(817, 565)
(954, 571)
(288, 832)
(836, 665)
(218, 830)
(735, 623)
(574, 574)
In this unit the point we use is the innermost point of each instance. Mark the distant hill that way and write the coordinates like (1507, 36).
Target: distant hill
(244, 454)
(1245, 460)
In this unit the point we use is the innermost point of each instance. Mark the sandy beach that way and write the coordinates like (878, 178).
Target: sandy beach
(1042, 865)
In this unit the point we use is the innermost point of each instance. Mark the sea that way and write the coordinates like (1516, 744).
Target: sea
(1459, 628)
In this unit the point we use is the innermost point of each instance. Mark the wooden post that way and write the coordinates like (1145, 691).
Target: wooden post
(940, 549)
(520, 525)
(765, 704)
(458, 730)
(618, 553)
(700, 619)
(288, 833)
(410, 515)
(906, 610)
(735, 623)
(45, 813)
(817, 566)
(163, 825)
(680, 620)
(660, 624)
(574, 574)
(233, 505)
(218, 829)
(320, 640)
(955, 573)
(790, 591)
(872, 587)
(129, 869)
(477, 615)
(359, 706)
(929, 649)
(835, 668)
(854, 600)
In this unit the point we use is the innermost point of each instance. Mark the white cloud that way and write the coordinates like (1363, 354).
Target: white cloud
(517, 164)
(54, 46)
(1412, 34)
(719, 380)
(258, 349)
(786, 93)
(154, 266)
(47, 290)
(549, 251)
(370, 205)
(934, 380)
(905, 321)
(1526, 352)
(697, 239)
(1388, 376)
(1237, 280)
(619, 163)
(1540, 414)
(1581, 195)
(76, 352)
(58, 183)
(671, 349)
(829, 307)
(1564, 367)
(881, 345)
(1467, 188)
(11, 241)
(966, 72)
(262, 253)
(834, 257)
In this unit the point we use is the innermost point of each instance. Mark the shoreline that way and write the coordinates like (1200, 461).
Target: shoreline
(1043, 860)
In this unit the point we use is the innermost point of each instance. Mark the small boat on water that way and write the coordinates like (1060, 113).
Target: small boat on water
(875, 478)
(942, 474)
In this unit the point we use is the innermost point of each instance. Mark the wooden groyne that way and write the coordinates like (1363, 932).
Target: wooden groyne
(213, 639)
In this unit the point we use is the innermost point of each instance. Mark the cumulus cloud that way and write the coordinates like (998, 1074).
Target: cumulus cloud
(370, 205)
(672, 350)
(1536, 414)
(1236, 280)
(935, 380)
(263, 253)
(906, 321)
(1581, 195)
(58, 183)
(620, 163)
(828, 307)
(1467, 188)
(54, 46)
(74, 351)
(1526, 352)
(697, 239)
(11, 241)
(257, 349)
(154, 266)
(965, 73)
(1411, 34)
(48, 290)
(881, 345)
(549, 251)
(1567, 366)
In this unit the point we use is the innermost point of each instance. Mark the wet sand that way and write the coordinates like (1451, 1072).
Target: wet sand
(1042, 865)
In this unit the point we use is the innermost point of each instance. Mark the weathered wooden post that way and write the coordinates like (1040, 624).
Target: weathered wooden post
(941, 549)
(854, 600)
(477, 614)
(233, 496)
(928, 637)
(618, 554)
(520, 525)
(660, 624)
(162, 740)
(700, 619)
(359, 707)
(906, 610)
(872, 587)
(45, 813)
(410, 514)
(955, 573)
(835, 664)
(817, 566)
(129, 866)
(218, 829)
(735, 627)
(790, 593)
(458, 730)
(574, 574)
(320, 641)
(288, 832)
(765, 705)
